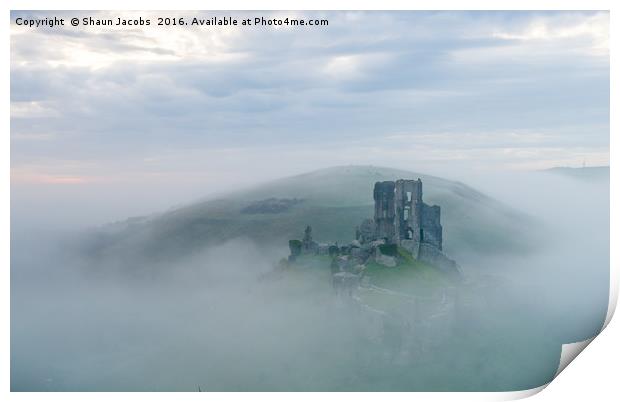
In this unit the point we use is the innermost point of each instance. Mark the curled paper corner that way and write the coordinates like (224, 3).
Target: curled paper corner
(516, 395)
(569, 352)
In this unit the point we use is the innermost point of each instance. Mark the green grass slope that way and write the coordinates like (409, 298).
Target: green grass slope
(335, 201)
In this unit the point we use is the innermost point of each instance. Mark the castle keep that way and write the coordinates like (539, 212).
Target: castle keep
(401, 217)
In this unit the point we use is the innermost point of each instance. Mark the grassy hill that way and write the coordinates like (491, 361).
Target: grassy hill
(332, 200)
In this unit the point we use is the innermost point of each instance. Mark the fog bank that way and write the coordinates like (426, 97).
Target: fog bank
(225, 320)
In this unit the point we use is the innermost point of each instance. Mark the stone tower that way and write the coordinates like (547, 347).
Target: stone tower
(408, 205)
(401, 217)
(384, 210)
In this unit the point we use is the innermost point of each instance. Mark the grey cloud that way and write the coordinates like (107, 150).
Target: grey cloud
(431, 73)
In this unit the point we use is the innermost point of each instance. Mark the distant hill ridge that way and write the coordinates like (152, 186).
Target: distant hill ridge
(583, 173)
(333, 200)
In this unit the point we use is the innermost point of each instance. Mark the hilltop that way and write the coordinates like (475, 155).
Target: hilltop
(334, 200)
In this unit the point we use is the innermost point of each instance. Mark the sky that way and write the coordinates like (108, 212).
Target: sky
(160, 115)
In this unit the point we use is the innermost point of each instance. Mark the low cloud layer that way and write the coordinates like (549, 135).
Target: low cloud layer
(217, 321)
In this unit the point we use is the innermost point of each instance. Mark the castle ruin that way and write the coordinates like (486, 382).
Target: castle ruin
(401, 219)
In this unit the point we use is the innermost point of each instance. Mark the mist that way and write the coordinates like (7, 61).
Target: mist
(227, 318)
(563, 287)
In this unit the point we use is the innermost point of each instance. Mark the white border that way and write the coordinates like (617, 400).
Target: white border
(595, 369)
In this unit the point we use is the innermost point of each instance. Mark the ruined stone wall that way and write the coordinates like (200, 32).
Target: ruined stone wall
(431, 226)
(383, 195)
(366, 231)
(402, 217)
(435, 257)
(408, 198)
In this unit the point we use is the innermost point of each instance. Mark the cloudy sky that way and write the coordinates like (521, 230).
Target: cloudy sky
(194, 110)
